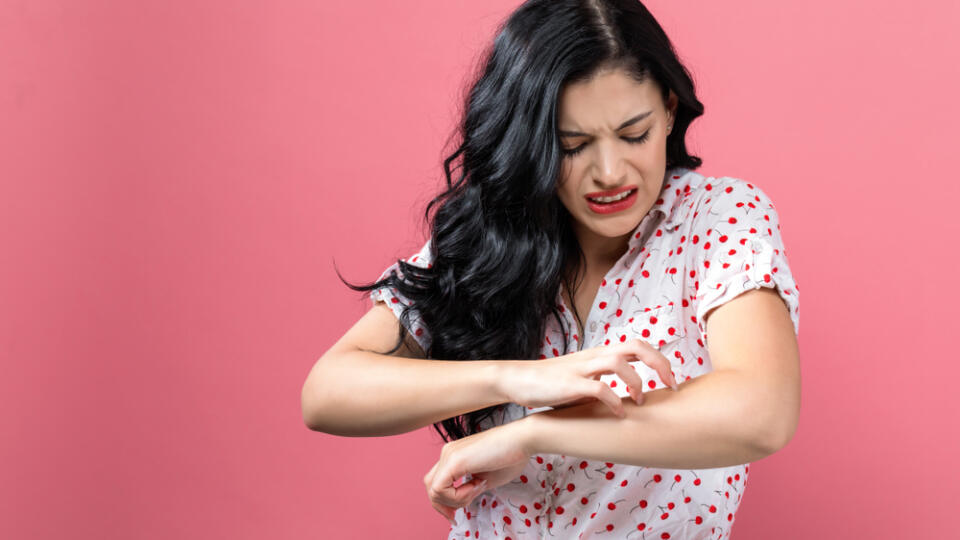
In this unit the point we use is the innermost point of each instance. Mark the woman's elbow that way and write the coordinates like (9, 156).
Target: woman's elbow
(306, 408)
(778, 431)
(311, 406)
(783, 435)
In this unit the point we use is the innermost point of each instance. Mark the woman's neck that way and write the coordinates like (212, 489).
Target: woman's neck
(601, 252)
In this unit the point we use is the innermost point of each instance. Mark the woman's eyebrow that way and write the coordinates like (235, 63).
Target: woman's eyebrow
(629, 122)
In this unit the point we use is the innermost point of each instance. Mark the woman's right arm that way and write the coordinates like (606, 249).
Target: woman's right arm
(355, 391)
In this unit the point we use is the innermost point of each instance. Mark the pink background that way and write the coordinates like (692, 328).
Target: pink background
(178, 178)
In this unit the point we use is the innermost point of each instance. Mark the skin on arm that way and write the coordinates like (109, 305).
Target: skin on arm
(356, 390)
(744, 410)
(754, 336)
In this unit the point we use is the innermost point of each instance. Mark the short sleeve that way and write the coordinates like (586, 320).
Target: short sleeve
(397, 301)
(737, 247)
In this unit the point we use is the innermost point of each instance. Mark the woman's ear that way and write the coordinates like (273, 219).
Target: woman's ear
(671, 105)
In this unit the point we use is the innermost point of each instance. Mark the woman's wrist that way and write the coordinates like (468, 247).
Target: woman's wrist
(526, 432)
(501, 373)
(534, 432)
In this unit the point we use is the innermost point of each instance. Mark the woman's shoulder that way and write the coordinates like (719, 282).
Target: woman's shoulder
(712, 198)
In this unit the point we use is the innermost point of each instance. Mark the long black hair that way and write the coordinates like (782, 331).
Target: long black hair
(501, 240)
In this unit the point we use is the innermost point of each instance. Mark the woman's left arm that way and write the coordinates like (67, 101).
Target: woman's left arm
(745, 409)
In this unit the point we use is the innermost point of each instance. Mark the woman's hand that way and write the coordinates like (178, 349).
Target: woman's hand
(491, 458)
(573, 378)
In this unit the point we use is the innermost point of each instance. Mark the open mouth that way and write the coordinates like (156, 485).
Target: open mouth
(612, 205)
(611, 200)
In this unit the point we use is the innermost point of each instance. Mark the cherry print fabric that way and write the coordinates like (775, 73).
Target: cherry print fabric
(741, 250)
(704, 242)
(397, 302)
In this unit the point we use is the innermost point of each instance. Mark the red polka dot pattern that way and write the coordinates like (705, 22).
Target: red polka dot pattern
(704, 242)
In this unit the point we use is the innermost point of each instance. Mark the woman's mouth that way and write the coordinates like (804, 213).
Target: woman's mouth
(616, 203)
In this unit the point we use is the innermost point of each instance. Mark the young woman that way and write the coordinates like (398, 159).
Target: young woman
(574, 270)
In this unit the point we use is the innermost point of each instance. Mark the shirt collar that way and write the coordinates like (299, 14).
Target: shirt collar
(668, 205)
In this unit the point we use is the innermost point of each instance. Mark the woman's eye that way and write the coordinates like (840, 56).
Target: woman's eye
(639, 139)
(573, 151)
(578, 149)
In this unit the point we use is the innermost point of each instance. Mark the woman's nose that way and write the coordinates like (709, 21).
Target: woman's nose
(609, 164)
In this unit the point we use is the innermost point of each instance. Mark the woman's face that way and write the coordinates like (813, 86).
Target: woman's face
(613, 132)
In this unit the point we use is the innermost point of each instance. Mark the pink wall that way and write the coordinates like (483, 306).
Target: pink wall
(177, 178)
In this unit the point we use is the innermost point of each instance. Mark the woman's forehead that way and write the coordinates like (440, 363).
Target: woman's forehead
(605, 102)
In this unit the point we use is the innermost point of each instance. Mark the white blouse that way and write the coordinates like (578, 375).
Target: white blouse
(705, 241)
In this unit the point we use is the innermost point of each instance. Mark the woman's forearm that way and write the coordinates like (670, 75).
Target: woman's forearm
(365, 394)
(710, 422)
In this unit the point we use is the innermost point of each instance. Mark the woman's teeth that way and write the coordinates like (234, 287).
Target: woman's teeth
(623, 195)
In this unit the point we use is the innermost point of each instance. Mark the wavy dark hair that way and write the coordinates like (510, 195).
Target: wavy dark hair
(501, 240)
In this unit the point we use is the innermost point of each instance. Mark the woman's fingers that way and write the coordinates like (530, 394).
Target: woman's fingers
(467, 492)
(428, 478)
(653, 358)
(601, 391)
(616, 359)
(628, 374)
(662, 367)
(436, 495)
(456, 497)
(445, 511)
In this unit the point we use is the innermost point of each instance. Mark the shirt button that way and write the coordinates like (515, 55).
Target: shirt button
(593, 326)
